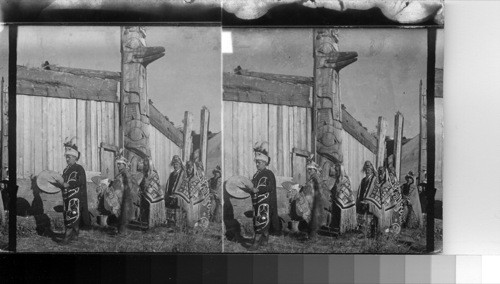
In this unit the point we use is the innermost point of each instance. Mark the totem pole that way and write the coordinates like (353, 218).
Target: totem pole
(135, 112)
(328, 61)
(327, 106)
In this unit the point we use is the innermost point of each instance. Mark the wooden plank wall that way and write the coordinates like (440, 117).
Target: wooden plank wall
(162, 151)
(355, 155)
(284, 127)
(44, 122)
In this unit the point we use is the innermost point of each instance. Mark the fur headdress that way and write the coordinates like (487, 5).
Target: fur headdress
(311, 164)
(261, 152)
(70, 147)
(120, 158)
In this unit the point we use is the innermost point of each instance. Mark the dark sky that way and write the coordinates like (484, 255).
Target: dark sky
(384, 80)
(186, 78)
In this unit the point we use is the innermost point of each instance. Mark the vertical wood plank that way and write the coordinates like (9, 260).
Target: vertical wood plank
(117, 124)
(280, 141)
(80, 132)
(204, 124)
(398, 140)
(58, 139)
(237, 148)
(244, 133)
(88, 134)
(34, 132)
(93, 135)
(286, 142)
(227, 134)
(273, 138)
(45, 126)
(382, 132)
(20, 135)
(188, 138)
(308, 130)
(99, 123)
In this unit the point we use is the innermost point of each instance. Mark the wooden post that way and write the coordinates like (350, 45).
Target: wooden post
(135, 107)
(382, 132)
(204, 125)
(422, 152)
(188, 138)
(2, 117)
(398, 143)
(327, 110)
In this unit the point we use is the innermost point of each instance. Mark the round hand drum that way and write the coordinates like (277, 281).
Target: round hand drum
(45, 181)
(239, 187)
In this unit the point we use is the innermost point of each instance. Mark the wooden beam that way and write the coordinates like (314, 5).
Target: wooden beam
(48, 83)
(159, 121)
(300, 152)
(108, 147)
(87, 72)
(356, 130)
(398, 139)
(257, 90)
(382, 132)
(188, 138)
(299, 80)
(204, 124)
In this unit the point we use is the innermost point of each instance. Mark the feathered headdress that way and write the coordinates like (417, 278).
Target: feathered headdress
(70, 147)
(261, 152)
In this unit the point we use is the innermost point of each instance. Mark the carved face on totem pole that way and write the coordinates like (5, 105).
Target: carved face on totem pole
(135, 58)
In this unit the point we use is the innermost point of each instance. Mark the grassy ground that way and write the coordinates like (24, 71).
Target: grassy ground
(160, 239)
(409, 242)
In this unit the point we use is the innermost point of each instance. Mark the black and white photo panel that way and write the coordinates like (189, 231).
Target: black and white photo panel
(326, 140)
(118, 139)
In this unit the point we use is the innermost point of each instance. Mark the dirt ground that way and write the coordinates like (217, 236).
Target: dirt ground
(408, 242)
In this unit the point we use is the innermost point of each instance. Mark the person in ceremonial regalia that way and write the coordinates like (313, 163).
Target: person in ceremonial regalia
(215, 184)
(264, 199)
(173, 183)
(130, 201)
(152, 197)
(74, 194)
(343, 202)
(365, 218)
(313, 189)
(412, 216)
(383, 204)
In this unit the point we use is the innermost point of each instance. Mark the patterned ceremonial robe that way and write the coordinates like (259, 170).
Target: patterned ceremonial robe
(384, 200)
(343, 206)
(173, 183)
(75, 197)
(265, 203)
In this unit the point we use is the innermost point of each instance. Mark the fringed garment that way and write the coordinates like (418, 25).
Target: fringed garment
(412, 216)
(265, 203)
(75, 197)
(384, 202)
(343, 206)
(215, 191)
(172, 206)
(153, 200)
(365, 218)
(317, 208)
(193, 197)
